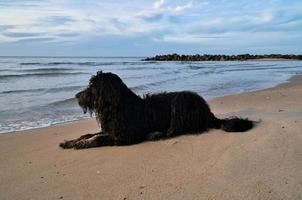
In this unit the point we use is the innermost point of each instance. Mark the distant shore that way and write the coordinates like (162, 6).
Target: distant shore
(241, 57)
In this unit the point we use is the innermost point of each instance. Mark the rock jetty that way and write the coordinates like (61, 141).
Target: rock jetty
(206, 57)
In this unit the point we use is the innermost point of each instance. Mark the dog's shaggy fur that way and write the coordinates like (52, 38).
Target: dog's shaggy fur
(126, 118)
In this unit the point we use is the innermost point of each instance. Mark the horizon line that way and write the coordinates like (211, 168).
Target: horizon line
(31, 56)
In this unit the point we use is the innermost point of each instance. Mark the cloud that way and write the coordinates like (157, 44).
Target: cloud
(20, 35)
(193, 39)
(67, 34)
(181, 8)
(184, 22)
(152, 17)
(6, 27)
(158, 4)
(21, 3)
(36, 40)
(52, 18)
(55, 20)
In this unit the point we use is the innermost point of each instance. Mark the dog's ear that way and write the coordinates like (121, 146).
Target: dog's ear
(96, 79)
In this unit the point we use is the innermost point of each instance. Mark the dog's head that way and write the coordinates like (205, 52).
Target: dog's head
(104, 89)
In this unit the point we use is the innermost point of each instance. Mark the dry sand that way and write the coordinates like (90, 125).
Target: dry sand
(264, 163)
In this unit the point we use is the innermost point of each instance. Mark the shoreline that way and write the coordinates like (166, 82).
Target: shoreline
(293, 78)
(263, 163)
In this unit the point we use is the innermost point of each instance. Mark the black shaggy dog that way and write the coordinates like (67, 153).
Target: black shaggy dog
(126, 118)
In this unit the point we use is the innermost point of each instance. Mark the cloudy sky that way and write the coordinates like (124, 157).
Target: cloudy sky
(148, 27)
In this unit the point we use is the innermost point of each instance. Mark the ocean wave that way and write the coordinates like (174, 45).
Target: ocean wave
(31, 63)
(95, 63)
(139, 88)
(64, 102)
(141, 68)
(66, 63)
(196, 67)
(46, 90)
(49, 63)
(141, 63)
(262, 68)
(160, 82)
(87, 63)
(156, 75)
(240, 64)
(51, 74)
(175, 78)
(51, 107)
(43, 121)
(48, 69)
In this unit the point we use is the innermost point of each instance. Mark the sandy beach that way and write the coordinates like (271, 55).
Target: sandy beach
(264, 163)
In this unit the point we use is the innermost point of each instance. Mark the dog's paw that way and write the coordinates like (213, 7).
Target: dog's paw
(80, 145)
(83, 144)
(66, 144)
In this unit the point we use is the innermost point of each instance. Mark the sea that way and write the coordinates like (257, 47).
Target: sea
(39, 91)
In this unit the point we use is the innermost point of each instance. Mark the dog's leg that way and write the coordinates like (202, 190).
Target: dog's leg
(155, 136)
(95, 141)
(67, 144)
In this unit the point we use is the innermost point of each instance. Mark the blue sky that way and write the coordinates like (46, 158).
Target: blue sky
(145, 27)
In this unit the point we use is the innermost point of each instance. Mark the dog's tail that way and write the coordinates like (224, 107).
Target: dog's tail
(232, 124)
